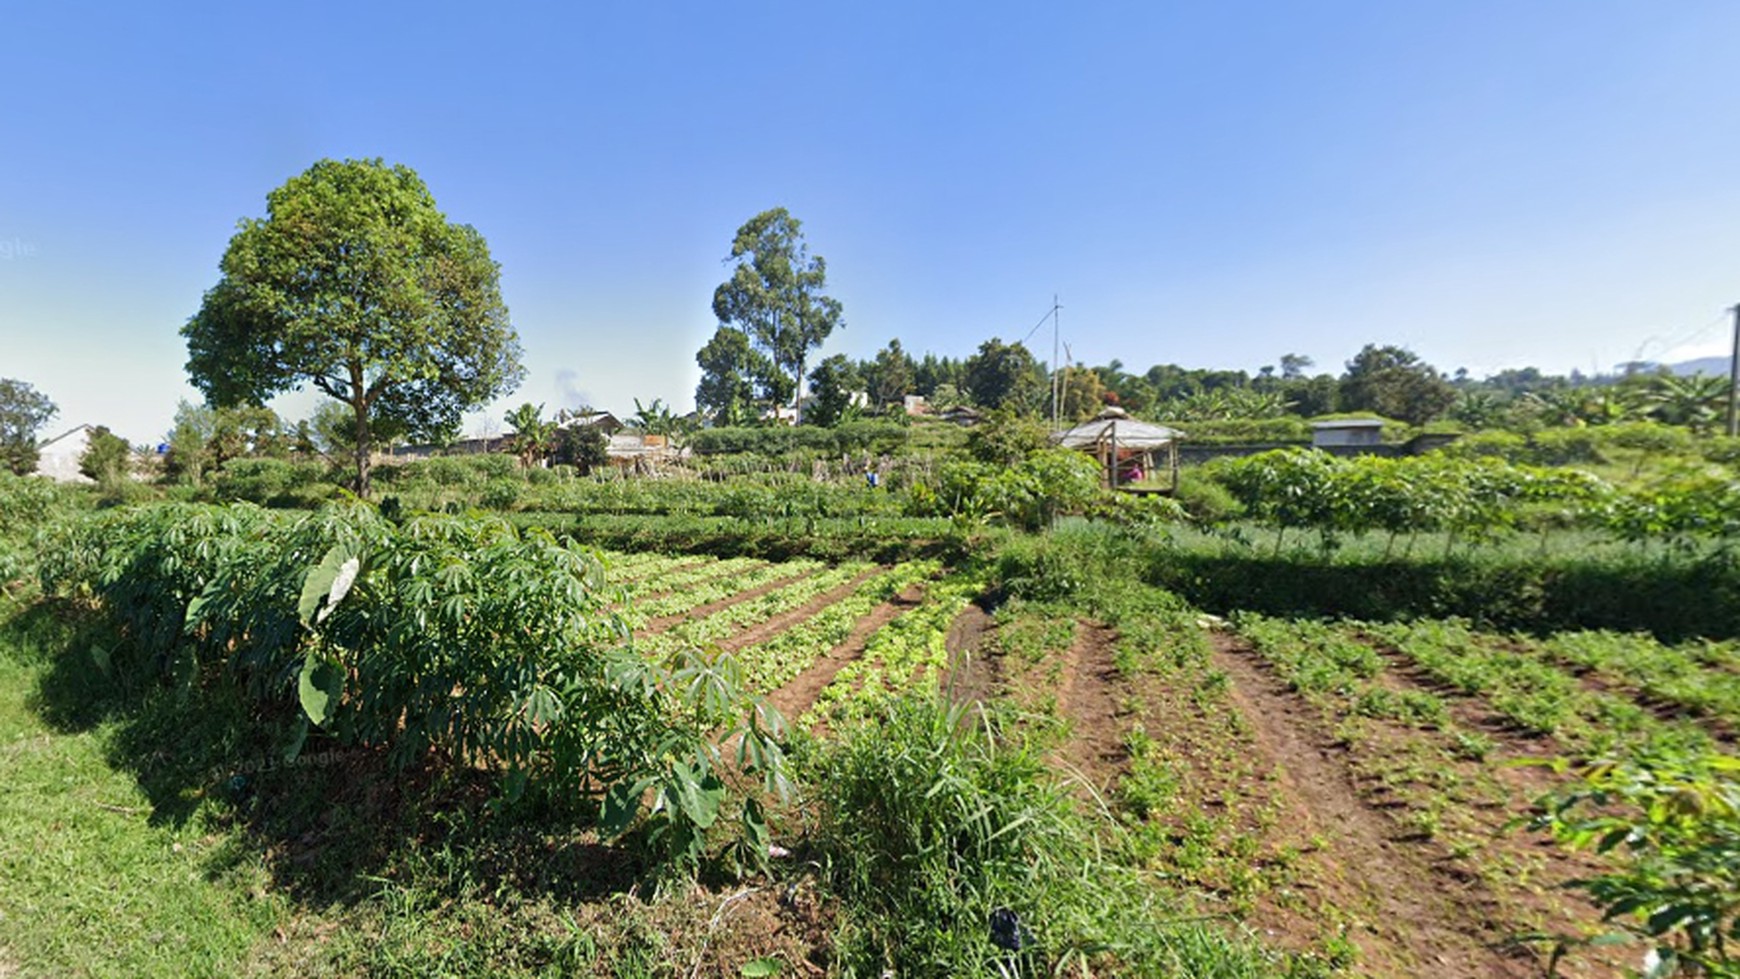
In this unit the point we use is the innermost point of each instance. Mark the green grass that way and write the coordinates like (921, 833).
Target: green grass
(94, 884)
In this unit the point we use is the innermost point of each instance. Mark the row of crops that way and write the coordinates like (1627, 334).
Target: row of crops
(792, 613)
(1437, 714)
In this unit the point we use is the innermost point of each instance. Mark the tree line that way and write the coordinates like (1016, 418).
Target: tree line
(355, 283)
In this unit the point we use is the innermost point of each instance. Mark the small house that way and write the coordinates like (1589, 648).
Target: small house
(59, 457)
(602, 421)
(1347, 431)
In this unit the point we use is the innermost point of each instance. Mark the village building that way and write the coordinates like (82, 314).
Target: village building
(59, 456)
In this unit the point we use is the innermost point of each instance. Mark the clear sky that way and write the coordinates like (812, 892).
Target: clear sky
(1491, 183)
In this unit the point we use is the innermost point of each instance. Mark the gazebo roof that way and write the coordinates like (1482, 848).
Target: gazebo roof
(1115, 425)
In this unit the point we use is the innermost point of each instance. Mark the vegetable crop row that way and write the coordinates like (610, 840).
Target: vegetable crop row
(735, 618)
(901, 656)
(780, 659)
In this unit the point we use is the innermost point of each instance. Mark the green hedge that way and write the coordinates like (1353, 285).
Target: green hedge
(852, 438)
(1672, 599)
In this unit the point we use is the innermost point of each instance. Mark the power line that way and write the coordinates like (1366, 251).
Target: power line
(1048, 314)
(1670, 341)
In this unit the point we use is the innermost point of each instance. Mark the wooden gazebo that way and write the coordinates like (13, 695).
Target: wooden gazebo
(1122, 444)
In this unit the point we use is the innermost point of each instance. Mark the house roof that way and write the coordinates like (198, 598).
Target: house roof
(1350, 423)
(602, 420)
(1114, 425)
(45, 443)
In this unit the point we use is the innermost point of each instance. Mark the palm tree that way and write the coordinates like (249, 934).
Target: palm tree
(532, 433)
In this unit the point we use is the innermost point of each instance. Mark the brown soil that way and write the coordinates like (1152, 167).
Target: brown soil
(779, 623)
(1418, 917)
(974, 673)
(1089, 700)
(702, 611)
(800, 694)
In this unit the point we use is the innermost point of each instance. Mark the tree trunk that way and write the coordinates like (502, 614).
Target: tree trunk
(360, 405)
(362, 451)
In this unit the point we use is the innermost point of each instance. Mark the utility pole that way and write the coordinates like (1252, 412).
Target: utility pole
(1056, 368)
(1734, 380)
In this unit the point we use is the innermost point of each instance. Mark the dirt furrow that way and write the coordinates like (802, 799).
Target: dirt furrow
(1424, 922)
(1089, 700)
(785, 620)
(974, 674)
(797, 696)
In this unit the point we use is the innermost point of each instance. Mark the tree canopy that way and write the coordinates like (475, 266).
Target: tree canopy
(23, 410)
(835, 382)
(1395, 383)
(731, 374)
(356, 283)
(775, 295)
(1004, 375)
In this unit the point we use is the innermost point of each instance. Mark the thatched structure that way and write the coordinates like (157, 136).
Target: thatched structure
(1123, 445)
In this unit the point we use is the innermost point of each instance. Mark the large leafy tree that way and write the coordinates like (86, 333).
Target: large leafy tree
(775, 294)
(1395, 383)
(835, 382)
(731, 371)
(1004, 375)
(888, 378)
(23, 410)
(356, 283)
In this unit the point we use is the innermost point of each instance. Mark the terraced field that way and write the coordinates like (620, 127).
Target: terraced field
(1348, 791)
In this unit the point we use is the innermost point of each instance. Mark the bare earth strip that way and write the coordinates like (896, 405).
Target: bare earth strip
(702, 611)
(779, 623)
(974, 674)
(800, 694)
(1089, 701)
(1429, 922)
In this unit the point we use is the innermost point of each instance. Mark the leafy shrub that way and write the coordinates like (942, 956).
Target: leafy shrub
(31, 504)
(1005, 438)
(1037, 570)
(1204, 499)
(1508, 446)
(1029, 494)
(436, 637)
(445, 470)
(1721, 448)
(1675, 821)
(501, 494)
(956, 852)
(271, 482)
(1566, 446)
(492, 465)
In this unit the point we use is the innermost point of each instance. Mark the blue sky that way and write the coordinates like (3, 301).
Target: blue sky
(1493, 184)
